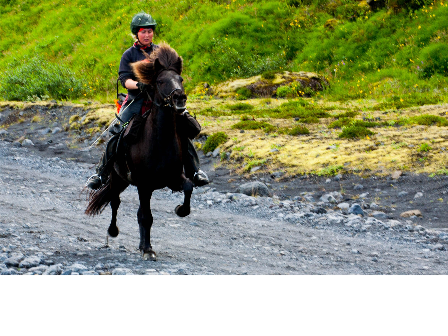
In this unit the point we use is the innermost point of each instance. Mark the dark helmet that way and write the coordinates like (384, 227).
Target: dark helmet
(142, 20)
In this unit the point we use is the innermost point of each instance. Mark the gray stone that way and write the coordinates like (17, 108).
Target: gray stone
(356, 209)
(44, 131)
(380, 215)
(418, 195)
(3, 132)
(374, 206)
(38, 269)
(364, 195)
(54, 270)
(9, 271)
(328, 181)
(343, 206)
(14, 260)
(277, 174)
(358, 187)
(338, 177)
(216, 152)
(56, 130)
(328, 198)
(254, 189)
(78, 268)
(334, 220)
(319, 210)
(309, 198)
(30, 262)
(438, 247)
(402, 193)
(122, 271)
(27, 143)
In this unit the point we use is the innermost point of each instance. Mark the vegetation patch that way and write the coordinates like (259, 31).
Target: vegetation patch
(213, 141)
(429, 120)
(353, 132)
(253, 125)
(298, 130)
(240, 107)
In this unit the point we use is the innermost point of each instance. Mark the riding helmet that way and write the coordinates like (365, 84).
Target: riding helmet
(142, 20)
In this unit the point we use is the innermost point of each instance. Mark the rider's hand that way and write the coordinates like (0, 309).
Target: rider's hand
(142, 86)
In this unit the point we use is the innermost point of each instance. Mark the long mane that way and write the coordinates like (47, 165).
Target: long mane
(163, 58)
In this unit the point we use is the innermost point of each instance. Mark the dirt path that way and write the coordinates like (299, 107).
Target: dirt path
(41, 216)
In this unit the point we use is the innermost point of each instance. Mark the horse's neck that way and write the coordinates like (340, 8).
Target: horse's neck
(163, 125)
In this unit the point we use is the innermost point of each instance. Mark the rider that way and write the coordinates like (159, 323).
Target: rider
(142, 28)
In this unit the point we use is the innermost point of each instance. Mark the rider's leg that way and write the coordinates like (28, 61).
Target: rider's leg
(191, 165)
(103, 168)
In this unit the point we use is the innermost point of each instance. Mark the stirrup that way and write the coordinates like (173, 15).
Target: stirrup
(200, 178)
(94, 182)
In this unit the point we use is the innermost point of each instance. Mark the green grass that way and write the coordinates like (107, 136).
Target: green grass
(363, 54)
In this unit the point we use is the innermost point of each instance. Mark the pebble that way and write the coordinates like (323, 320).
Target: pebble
(343, 206)
(418, 195)
(27, 143)
(356, 209)
(379, 215)
(14, 260)
(30, 262)
(122, 271)
(358, 187)
(402, 193)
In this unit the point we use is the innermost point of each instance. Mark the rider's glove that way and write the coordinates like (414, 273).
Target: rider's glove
(142, 86)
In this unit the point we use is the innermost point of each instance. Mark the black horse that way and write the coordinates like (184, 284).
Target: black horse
(157, 151)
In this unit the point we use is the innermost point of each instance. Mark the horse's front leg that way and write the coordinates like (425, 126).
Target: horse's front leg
(183, 210)
(145, 221)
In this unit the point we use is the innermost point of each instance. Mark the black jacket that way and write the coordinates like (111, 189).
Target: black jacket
(134, 101)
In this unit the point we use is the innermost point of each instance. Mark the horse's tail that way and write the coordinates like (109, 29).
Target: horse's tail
(99, 199)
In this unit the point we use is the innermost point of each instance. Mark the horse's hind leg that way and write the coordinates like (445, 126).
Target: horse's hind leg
(145, 221)
(117, 185)
(113, 228)
(184, 209)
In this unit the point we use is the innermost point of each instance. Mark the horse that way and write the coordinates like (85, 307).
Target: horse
(157, 151)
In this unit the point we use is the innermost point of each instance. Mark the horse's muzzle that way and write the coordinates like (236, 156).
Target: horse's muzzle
(180, 102)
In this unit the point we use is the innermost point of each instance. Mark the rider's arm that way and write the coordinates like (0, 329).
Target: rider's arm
(189, 125)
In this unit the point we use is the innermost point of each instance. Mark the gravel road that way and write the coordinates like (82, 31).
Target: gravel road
(43, 230)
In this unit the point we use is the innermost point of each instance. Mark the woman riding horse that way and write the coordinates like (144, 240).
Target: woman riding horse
(139, 100)
(155, 159)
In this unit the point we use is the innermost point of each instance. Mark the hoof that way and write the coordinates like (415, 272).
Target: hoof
(149, 255)
(182, 211)
(113, 231)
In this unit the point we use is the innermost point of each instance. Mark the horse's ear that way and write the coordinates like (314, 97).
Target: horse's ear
(179, 64)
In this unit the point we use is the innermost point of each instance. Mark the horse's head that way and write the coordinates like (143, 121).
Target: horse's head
(162, 70)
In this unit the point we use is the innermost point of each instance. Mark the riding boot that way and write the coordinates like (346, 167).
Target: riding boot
(105, 166)
(191, 165)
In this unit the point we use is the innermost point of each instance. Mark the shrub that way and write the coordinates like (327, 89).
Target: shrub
(284, 91)
(37, 77)
(435, 60)
(240, 107)
(253, 124)
(352, 132)
(340, 123)
(298, 130)
(213, 141)
(268, 75)
(424, 147)
(427, 119)
(243, 93)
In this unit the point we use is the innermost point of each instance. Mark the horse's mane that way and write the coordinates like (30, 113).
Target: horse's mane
(163, 58)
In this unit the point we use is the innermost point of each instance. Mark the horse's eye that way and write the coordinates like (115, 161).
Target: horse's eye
(159, 82)
(181, 79)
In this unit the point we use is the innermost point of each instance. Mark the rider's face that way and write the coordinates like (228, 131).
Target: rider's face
(145, 36)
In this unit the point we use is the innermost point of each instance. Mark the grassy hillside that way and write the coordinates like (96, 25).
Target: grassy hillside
(71, 49)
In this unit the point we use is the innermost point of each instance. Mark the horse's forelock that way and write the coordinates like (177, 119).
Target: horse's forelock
(168, 59)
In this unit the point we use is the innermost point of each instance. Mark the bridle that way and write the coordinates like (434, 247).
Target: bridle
(167, 100)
